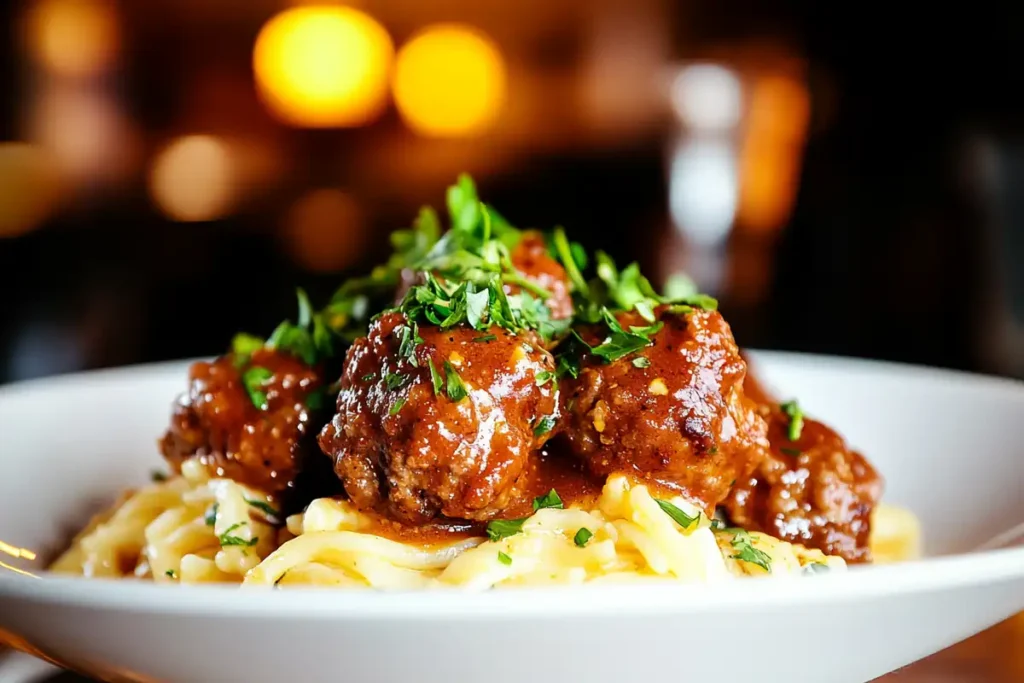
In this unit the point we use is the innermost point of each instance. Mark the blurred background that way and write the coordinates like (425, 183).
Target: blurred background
(842, 178)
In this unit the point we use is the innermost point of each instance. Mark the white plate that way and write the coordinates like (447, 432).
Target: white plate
(949, 444)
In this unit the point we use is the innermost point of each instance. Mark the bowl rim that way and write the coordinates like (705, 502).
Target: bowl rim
(646, 598)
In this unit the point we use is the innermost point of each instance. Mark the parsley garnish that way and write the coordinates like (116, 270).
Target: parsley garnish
(315, 399)
(435, 377)
(717, 525)
(369, 377)
(504, 559)
(171, 573)
(455, 389)
(397, 405)
(485, 338)
(243, 346)
(254, 380)
(544, 425)
(498, 529)
(395, 381)
(681, 518)
(796, 419)
(543, 377)
(582, 536)
(746, 552)
(265, 508)
(211, 515)
(551, 499)
(641, 362)
(226, 539)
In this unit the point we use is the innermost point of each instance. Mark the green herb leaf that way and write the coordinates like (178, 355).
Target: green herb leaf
(211, 515)
(550, 499)
(369, 377)
(498, 529)
(678, 516)
(456, 390)
(717, 525)
(504, 559)
(265, 508)
(315, 399)
(254, 379)
(746, 552)
(226, 539)
(476, 308)
(435, 377)
(395, 381)
(171, 573)
(305, 308)
(641, 362)
(568, 258)
(582, 536)
(485, 338)
(397, 405)
(243, 346)
(680, 286)
(544, 425)
(543, 377)
(796, 419)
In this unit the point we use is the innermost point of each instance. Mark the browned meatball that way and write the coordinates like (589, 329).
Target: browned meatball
(402, 449)
(673, 413)
(531, 258)
(218, 421)
(814, 491)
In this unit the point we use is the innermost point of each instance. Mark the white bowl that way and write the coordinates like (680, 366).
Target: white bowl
(949, 444)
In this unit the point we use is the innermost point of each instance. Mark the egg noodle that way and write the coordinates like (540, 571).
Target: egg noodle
(194, 529)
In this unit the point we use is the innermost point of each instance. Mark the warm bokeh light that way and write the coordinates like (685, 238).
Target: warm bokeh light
(29, 187)
(86, 131)
(772, 149)
(73, 37)
(449, 81)
(323, 67)
(324, 231)
(193, 179)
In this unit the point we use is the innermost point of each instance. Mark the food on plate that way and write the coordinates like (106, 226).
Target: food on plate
(477, 412)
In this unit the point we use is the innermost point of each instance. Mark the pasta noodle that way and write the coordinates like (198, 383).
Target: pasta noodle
(193, 529)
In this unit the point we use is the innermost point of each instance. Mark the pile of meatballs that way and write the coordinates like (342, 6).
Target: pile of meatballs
(681, 414)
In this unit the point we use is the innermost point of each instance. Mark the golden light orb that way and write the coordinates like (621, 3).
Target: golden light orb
(194, 179)
(73, 37)
(29, 187)
(450, 81)
(323, 67)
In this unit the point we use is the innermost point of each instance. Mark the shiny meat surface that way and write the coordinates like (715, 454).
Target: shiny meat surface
(814, 491)
(405, 451)
(531, 258)
(678, 418)
(218, 421)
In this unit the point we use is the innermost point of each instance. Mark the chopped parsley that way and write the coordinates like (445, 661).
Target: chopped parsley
(435, 377)
(265, 508)
(395, 381)
(582, 537)
(746, 552)
(455, 389)
(641, 362)
(498, 529)
(504, 559)
(171, 573)
(315, 399)
(544, 425)
(254, 379)
(227, 539)
(544, 376)
(369, 377)
(211, 515)
(551, 499)
(485, 338)
(717, 525)
(243, 346)
(397, 405)
(678, 516)
(796, 419)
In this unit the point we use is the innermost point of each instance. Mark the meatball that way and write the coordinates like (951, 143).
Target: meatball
(415, 442)
(531, 258)
(218, 420)
(673, 413)
(814, 490)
